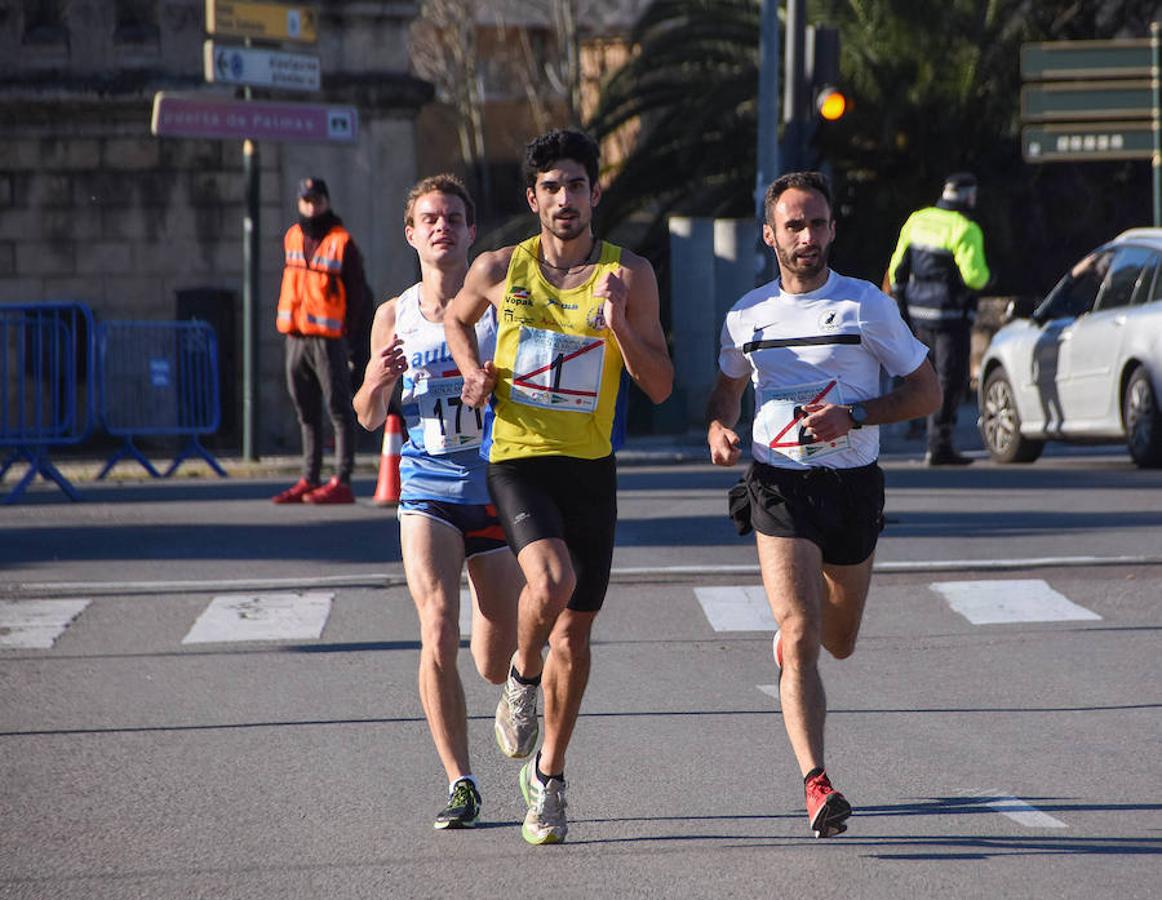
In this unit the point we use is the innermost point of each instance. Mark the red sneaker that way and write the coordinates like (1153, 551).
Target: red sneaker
(827, 809)
(296, 492)
(334, 491)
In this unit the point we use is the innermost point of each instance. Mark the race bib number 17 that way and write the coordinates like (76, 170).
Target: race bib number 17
(557, 371)
(449, 424)
(779, 423)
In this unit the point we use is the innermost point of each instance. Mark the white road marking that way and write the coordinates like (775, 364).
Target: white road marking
(1018, 810)
(621, 575)
(1025, 600)
(36, 624)
(736, 608)
(261, 617)
(771, 690)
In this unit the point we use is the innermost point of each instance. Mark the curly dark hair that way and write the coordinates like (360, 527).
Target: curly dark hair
(542, 152)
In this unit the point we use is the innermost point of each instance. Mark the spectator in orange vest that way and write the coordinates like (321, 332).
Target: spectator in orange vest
(322, 300)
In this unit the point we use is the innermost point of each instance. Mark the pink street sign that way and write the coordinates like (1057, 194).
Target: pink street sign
(212, 117)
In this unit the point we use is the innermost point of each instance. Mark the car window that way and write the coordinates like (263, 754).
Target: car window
(1126, 271)
(1076, 292)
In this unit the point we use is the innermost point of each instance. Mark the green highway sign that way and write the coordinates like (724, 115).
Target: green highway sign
(1087, 142)
(1124, 58)
(1086, 100)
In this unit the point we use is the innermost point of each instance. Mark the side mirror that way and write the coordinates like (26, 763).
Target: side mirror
(1021, 308)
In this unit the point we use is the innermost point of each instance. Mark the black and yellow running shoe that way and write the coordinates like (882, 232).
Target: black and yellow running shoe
(463, 807)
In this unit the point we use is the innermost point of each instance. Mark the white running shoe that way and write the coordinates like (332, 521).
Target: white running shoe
(545, 821)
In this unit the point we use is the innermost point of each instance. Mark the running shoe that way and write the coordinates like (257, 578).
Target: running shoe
(827, 809)
(545, 821)
(516, 718)
(296, 492)
(334, 491)
(463, 807)
(777, 652)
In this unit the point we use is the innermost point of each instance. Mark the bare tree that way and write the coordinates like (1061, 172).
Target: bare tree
(443, 50)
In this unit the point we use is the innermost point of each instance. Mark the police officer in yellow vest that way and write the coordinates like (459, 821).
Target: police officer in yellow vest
(323, 293)
(938, 267)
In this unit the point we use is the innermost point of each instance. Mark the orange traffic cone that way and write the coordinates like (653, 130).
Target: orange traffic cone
(387, 488)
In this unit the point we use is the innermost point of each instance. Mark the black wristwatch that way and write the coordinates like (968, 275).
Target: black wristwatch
(858, 413)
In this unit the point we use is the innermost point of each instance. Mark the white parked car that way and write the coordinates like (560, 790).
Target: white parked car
(1087, 366)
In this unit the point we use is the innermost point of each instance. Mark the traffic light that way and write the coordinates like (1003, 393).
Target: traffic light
(822, 65)
(831, 103)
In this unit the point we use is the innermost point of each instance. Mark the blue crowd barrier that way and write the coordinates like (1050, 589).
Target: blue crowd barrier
(158, 379)
(44, 357)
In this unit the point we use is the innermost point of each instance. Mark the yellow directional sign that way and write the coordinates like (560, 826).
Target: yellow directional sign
(268, 21)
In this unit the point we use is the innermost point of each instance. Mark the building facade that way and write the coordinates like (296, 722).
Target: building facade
(94, 208)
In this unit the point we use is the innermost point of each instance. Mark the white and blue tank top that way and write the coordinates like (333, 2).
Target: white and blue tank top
(440, 459)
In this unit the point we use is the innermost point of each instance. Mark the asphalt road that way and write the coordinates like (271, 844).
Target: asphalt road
(1008, 757)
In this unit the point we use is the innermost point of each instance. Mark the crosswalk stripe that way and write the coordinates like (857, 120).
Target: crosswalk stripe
(262, 617)
(736, 608)
(36, 624)
(1021, 600)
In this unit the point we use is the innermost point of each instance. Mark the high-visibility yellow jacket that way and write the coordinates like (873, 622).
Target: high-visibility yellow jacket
(313, 299)
(938, 266)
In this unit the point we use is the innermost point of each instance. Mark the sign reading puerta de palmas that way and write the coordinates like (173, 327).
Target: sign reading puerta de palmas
(201, 115)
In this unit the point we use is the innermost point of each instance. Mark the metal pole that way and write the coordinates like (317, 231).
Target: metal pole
(768, 125)
(794, 88)
(250, 295)
(1156, 113)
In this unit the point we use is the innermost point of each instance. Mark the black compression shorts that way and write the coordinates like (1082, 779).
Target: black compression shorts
(574, 500)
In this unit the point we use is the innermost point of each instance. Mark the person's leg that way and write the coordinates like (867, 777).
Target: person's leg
(335, 376)
(308, 402)
(495, 581)
(549, 583)
(433, 553)
(565, 677)
(792, 576)
(843, 605)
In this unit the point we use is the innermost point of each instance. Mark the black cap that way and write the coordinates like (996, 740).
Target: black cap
(960, 181)
(313, 187)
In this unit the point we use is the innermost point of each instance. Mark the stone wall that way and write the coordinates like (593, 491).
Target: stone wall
(94, 208)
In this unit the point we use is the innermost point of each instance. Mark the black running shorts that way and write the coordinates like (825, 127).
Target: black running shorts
(574, 500)
(839, 510)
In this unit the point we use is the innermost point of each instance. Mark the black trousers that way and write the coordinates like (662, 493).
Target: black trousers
(949, 349)
(316, 370)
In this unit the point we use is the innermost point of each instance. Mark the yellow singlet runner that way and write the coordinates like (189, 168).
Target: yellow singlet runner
(558, 365)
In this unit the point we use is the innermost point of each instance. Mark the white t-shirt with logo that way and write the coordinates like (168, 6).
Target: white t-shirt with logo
(824, 346)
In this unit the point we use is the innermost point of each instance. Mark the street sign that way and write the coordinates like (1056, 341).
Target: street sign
(213, 117)
(1087, 100)
(261, 68)
(1124, 58)
(1087, 142)
(269, 21)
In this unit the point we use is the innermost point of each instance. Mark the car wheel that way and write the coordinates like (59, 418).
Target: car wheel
(1000, 423)
(1142, 420)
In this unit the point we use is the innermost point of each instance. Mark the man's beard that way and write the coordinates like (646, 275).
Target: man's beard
(802, 269)
(567, 229)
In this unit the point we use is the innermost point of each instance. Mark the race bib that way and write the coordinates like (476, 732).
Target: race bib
(449, 424)
(557, 371)
(778, 423)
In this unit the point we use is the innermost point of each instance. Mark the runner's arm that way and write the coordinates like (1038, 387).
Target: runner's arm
(916, 396)
(482, 286)
(631, 312)
(722, 412)
(384, 368)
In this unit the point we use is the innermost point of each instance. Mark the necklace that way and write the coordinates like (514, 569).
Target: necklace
(541, 259)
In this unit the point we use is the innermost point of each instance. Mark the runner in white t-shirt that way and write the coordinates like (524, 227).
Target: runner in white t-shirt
(813, 343)
(446, 518)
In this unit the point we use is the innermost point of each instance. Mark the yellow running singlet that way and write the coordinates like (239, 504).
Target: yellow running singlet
(558, 366)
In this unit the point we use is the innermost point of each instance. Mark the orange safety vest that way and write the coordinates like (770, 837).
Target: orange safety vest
(313, 299)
